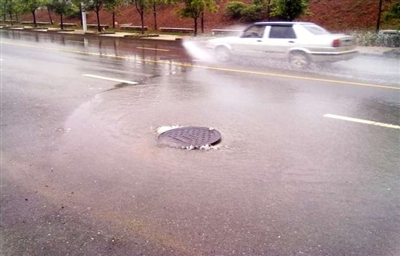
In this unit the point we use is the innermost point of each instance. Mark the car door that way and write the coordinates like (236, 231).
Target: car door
(248, 44)
(278, 40)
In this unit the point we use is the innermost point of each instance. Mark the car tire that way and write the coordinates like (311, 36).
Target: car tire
(222, 54)
(299, 60)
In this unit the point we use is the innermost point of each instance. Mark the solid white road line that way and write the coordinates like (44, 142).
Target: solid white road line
(362, 121)
(110, 79)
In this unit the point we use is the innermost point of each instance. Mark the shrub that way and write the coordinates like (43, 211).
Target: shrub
(389, 40)
(252, 12)
(374, 39)
(366, 38)
(233, 9)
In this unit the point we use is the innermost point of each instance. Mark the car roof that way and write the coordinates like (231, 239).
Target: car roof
(283, 23)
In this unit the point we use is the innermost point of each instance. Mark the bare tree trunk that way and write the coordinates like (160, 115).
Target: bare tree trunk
(50, 18)
(202, 22)
(16, 17)
(378, 21)
(11, 19)
(155, 15)
(61, 22)
(195, 26)
(5, 12)
(142, 20)
(98, 18)
(34, 18)
(140, 9)
(113, 19)
(268, 9)
(80, 16)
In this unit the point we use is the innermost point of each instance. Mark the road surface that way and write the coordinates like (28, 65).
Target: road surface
(308, 163)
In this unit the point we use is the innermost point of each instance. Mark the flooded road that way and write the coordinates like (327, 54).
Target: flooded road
(83, 173)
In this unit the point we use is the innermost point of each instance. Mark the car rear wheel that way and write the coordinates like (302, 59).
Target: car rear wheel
(222, 54)
(299, 60)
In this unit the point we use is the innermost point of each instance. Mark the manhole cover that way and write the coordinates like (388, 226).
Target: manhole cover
(190, 137)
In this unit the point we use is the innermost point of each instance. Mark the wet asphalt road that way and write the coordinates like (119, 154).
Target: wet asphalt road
(83, 174)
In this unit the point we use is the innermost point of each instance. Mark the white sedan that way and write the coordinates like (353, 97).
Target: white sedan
(301, 43)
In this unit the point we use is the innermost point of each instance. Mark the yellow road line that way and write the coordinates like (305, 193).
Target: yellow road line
(110, 79)
(362, 121)
(156, 49)
(210, 68)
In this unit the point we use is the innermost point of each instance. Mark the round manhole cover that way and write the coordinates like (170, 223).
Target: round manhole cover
(190, 137)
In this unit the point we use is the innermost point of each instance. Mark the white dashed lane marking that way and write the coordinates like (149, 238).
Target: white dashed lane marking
(110, 79)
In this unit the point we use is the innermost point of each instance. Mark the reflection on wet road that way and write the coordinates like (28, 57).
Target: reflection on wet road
(104, 45)
(363, 69)
(84, 174)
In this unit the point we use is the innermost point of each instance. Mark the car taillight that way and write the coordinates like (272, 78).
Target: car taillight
(336, 43)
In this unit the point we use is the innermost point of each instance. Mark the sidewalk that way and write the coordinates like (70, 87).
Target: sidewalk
(363, 50)
(131, 35)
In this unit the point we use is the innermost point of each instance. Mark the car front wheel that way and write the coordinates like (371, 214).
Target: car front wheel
(222, 54)
(299, 60)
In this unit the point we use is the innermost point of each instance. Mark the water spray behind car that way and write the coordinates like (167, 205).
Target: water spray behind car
(196, 51)
(196, 47)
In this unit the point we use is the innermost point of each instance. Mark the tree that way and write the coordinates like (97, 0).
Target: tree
(195, 8)
(97, 5)
(90, 5)
(78, 14)
(288, 9)
(63, 8)
(31, 6)
(380, 5)
(18, 9)
(141, 6)
(8, 8)
(154, 4)
(268, 11)
(5, 10)
(252, 12)
(11, 7)
(233, 9)
(393, 12)
(49, 10)
(111, 6)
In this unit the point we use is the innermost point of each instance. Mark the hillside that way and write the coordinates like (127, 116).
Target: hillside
(340, 15)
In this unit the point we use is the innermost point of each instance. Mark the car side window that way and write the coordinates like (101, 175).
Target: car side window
(282, 32)
(256, 31)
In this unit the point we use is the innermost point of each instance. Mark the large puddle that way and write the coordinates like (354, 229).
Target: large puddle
(281, 178)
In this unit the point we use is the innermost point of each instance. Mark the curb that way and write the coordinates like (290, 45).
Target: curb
(177, 40)
(374, 54)
(385, 54)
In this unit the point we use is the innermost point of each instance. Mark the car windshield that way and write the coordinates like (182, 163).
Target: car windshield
(316, 30)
